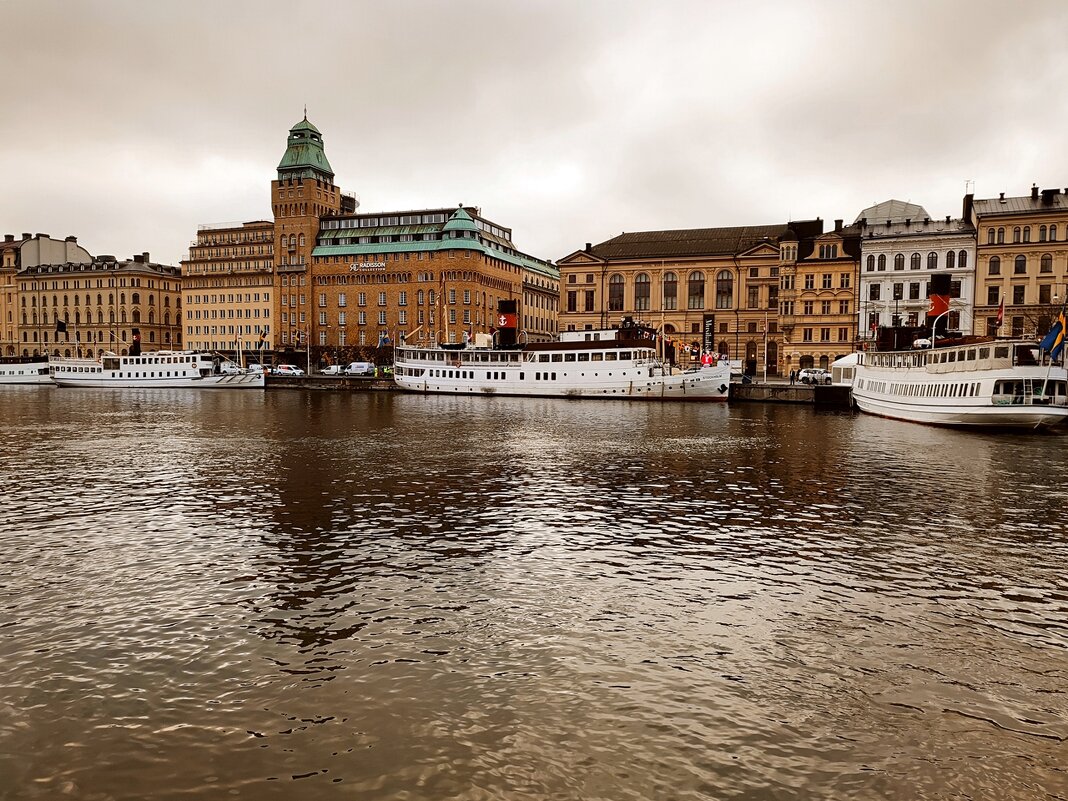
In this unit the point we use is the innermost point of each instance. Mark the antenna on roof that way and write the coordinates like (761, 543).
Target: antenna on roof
(969, 182)
(305, 112)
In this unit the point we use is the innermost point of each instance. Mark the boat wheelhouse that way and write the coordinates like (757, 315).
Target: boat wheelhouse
(160, 369)
(985, 383)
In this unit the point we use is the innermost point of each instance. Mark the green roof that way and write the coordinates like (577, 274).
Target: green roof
(517, 259)
(304, 156)
(460, 221)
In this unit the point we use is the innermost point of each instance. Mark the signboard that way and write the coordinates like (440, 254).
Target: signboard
(368, 267)
(708, 331)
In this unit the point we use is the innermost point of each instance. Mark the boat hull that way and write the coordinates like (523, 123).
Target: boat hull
(242, 381)
(994, 417)
(714, 385)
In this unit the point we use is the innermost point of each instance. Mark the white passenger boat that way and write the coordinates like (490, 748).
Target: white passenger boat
(608, 363)
(24, 373)
(162, 369)
(996, 383)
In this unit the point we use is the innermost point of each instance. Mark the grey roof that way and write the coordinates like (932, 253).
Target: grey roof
(1021, 205)
(893, 210)
(688, 242)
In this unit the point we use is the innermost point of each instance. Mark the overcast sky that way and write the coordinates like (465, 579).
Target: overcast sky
(128, 124)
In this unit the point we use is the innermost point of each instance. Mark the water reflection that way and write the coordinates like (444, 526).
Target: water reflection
(280, 594)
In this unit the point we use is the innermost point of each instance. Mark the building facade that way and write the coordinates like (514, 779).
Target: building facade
(431, 275)
(1022, 259)
(707, 289)
(901, 248)
(90, 308)
(228, 291)
(818, 285)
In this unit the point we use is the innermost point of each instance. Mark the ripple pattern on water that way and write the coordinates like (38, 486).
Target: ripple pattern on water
(289, 595)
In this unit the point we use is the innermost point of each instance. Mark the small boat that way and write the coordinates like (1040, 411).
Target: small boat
(608, 363)
(979, 382)
(163, 369)
(25, 372)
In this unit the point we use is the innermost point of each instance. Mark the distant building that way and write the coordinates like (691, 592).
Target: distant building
(343, 283)
(706, 289)
(901, 248)
(88, 306)
(818, 298)
(1022, 258)
(228, 288)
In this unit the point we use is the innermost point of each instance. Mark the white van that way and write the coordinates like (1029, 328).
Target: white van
(360, 368)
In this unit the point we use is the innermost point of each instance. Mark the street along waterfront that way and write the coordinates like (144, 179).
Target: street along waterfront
(320, 595)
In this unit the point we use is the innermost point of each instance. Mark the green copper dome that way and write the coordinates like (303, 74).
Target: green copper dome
(460, 221)
(304, 156)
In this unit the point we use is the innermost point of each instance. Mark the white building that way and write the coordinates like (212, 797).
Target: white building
(901, 247)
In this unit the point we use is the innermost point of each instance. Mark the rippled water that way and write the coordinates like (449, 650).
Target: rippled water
(298, 595)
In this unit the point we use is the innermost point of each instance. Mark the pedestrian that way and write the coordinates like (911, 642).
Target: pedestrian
(793, 375)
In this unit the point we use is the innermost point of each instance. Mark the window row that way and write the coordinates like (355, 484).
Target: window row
(954, 260)
(1021, 234)
(1019, 265)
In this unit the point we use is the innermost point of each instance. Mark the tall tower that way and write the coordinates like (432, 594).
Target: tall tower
(301, 196)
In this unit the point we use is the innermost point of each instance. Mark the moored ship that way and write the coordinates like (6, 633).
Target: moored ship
(162, 369)
(24, 372)
(608, 363)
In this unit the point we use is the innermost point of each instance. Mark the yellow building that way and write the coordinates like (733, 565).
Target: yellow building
(1022, 258)
(87, 309)
(228, 289)
(818, 302)
(706, 289)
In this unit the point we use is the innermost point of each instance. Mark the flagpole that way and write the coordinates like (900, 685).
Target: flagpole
(1061, 321)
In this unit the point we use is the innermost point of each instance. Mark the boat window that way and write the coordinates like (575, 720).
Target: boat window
(625, 355)
(610, 357)
(984, 353)
(544, 357)
(952, 356)
(597, 357)
(584, 357)
(558, 357)
(971, 355)
(1001, 352)
(569, 357)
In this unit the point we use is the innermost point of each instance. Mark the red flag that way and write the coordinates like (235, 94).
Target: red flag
(1001, 314)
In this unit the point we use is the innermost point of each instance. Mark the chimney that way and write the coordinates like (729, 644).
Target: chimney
(926, 220)
(73, 239)
(837, 225)
(138, 259)
(27, 236)
(144, 257)
(588, 246)
(1047, 195)
(908, 222)
(41, 236)
(9, 237)
(947, 219)
(1034, 191)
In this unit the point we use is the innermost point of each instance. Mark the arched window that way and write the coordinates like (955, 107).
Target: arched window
(100, 317)
(615, 293)
(123, 316)
(166, 318)
(1027, 233)
(995, 265)
(724, 348)
(932, 261)
(1042, 233)
(1053, 233)
(1019, 267)
(724, 289)
(111, 317)
(151, 317)
(122, 299)
(915, 261)
(695, 295)
(77, 318)
(1001, 236)
(990, 236)
(899, 261)
(135, 298)
(641, 292)
(1016, 234)
(671, 291)
(870, 263)
(151, 300)
(962, 260)
(882, 262)
(1046, 264)
(951, 260)
(302, 240)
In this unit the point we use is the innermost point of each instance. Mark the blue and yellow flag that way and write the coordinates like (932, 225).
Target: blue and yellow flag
(1053, 344)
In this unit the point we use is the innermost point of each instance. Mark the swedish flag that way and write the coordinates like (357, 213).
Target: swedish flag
(1053, 344)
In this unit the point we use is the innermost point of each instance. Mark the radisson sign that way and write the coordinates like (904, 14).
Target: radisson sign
(368, 267)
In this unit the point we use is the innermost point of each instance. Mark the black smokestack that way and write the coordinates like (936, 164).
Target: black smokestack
(507, 322)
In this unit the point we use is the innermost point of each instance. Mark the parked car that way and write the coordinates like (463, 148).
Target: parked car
(256, 368)
(360, 368)
(814, 375)
(230, 368)
(287, 369)
(333, 369)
